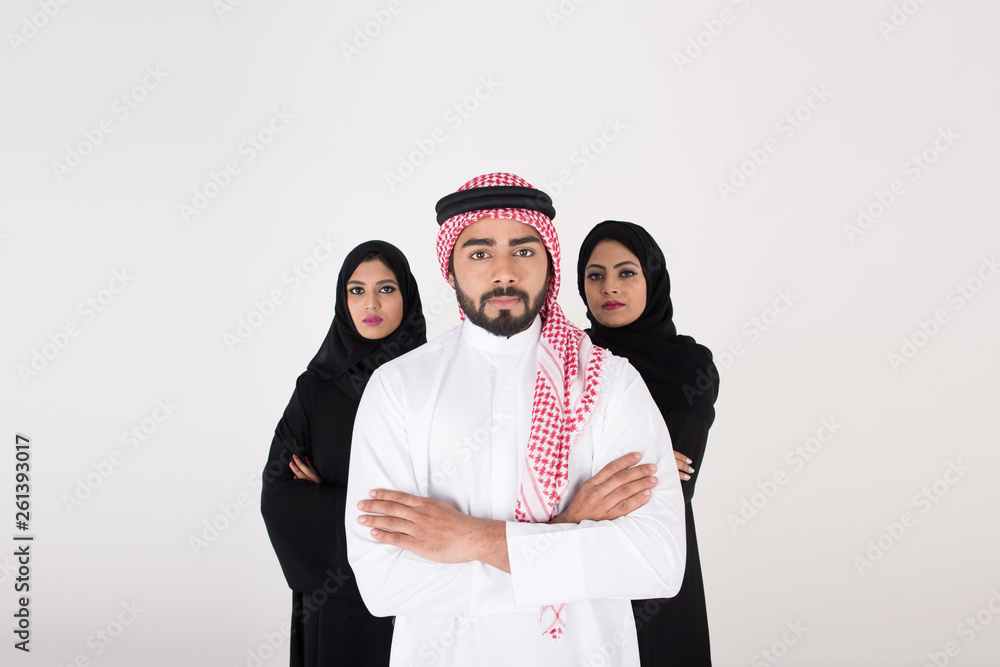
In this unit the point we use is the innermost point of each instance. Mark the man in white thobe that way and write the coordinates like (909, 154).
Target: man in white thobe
(465, 518)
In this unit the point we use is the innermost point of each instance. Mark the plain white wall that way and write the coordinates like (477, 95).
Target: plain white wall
(668, 99)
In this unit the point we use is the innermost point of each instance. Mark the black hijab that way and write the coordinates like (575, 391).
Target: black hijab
(349, 358)
(678, 371)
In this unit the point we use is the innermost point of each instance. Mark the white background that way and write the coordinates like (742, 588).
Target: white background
(559, 75)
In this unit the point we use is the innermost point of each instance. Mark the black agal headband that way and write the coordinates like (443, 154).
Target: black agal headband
(492, 197)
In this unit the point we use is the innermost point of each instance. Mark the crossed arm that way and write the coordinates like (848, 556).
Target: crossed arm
(438, 532)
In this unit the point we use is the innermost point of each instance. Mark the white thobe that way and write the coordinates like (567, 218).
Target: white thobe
(450, 420)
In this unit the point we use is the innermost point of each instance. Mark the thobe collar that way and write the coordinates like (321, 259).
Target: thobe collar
(481, 339)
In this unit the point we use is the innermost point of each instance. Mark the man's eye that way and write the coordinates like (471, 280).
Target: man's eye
(524, 252)
(479, 254)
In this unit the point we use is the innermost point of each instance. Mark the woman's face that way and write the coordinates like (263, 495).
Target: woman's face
(374, 300)
(614, 284)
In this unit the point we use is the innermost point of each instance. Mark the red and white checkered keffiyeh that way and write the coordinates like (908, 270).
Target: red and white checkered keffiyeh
(566, 385)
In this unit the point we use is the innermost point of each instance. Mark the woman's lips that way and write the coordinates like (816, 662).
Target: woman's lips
(612, 305)
(372, 320)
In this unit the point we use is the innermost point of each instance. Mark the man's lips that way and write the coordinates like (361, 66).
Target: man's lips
(612, 305)
(504, 301)
(372, 320)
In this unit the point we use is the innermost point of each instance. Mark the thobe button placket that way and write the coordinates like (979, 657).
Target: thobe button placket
(504, 441)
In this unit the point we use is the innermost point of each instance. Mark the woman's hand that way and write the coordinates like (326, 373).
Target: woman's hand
(617, 489)
(683, 466)
(304, 470)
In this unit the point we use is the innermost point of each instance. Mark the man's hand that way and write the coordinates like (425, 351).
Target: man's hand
(617, 489)
(434, 529)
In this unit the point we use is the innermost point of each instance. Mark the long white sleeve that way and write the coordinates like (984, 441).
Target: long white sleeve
(394, 581)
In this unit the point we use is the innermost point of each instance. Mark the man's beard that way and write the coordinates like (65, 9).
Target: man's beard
(504, 324)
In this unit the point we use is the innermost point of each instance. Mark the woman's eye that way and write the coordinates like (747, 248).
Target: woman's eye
(627, 274)
(594, 276)
(387, 289)
(356, 290)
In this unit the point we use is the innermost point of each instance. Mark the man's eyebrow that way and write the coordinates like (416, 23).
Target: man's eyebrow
(524, 239)
(482, 241)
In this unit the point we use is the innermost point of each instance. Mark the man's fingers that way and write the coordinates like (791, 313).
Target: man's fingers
(629, 504)
(616, 466)
(627, 491)
(387, 507)
(630, 475)
(387, 523)
(396, 497)
(401, 540)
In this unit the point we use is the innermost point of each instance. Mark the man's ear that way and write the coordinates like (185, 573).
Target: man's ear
(451, 279)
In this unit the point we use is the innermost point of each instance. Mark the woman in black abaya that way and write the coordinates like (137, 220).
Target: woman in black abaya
(377, 318)
(623, 279)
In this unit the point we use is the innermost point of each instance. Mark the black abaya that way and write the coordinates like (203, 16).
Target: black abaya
(683, 382)
(305, 520)
(674, 631)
